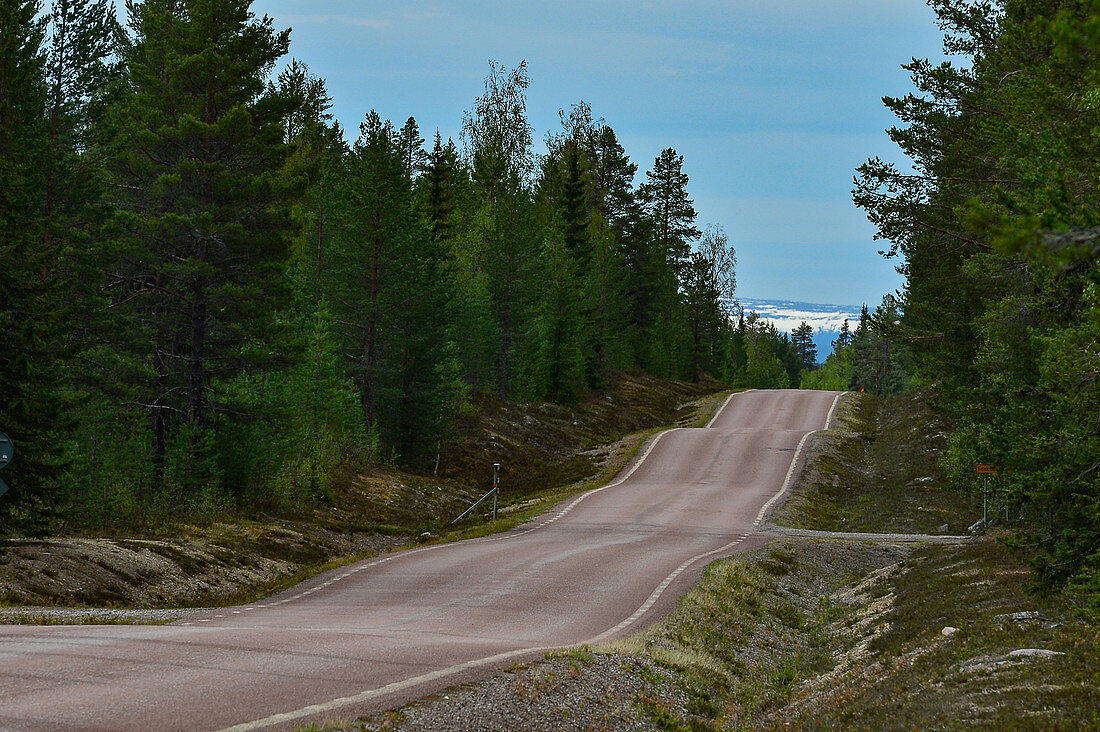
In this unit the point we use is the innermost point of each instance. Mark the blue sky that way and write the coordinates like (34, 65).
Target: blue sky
(773, 103)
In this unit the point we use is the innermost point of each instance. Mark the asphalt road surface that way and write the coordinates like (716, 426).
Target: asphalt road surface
(371, 635)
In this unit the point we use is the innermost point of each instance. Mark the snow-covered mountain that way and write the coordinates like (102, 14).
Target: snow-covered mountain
(786, 315)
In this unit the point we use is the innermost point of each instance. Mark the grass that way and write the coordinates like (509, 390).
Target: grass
(31, 618)
(581, 653)
(878, 472)
(915, 676)
(736, 644)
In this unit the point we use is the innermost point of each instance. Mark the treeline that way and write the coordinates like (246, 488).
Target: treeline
(211, 299)
(871, 358)
(998, 229)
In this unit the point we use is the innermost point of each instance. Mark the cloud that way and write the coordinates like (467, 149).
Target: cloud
(786, 316)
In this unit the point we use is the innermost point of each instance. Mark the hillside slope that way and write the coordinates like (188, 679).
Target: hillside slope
(546, 451)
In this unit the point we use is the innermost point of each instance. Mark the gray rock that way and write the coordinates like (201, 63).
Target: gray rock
(1035, 652)
(1018, 616)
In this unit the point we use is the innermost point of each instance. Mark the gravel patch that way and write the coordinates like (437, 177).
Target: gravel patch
(33, 615)
(561, 694)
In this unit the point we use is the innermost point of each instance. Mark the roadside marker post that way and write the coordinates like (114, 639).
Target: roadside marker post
(496, 488)
(493, 493)
(985, 470)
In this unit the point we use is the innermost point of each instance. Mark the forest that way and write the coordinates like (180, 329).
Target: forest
(996, 227)
(213, 297)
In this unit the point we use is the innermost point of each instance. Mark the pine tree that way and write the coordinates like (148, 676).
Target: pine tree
(802, 340)
(34, 411)
(671, 220)
(200, 140)
(665, 197)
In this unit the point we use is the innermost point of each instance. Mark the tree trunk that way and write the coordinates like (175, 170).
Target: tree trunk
(196, 375)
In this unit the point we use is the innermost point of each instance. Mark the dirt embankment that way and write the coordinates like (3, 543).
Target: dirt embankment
(878, 471)
(542, 447)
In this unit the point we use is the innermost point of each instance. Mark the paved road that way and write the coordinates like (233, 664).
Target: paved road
(371, 635)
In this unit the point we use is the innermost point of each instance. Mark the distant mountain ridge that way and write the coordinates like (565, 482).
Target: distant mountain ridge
(786, 315)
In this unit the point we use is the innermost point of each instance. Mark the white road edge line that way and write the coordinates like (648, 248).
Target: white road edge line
(499, 537)
(794, 463)
(723, 407)
(396, 686)
(369, 694)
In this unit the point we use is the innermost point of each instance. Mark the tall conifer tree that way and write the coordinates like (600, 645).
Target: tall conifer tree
(200, 147)
(33, 410)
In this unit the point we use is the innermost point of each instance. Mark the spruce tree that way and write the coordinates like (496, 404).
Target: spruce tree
(391, 285)
(34, 410)
(412, 149)
(200, 145)
(440, 189)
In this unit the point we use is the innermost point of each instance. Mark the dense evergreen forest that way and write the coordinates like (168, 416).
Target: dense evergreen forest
(997, 228)
(212, 297)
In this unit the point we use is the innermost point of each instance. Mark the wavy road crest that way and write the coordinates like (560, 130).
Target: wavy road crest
(371, 635)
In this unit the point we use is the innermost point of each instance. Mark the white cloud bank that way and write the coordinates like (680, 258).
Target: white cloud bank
(786, 315)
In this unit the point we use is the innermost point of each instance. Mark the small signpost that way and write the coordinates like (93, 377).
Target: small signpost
(493, 493)
(6, 452)
(985, 470)
(496, 488)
